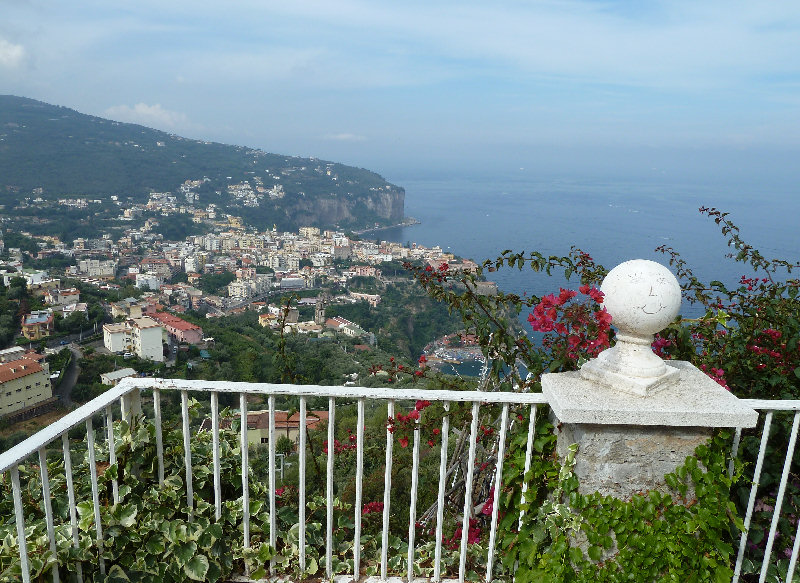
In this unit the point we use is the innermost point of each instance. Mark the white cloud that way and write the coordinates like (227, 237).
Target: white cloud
(345, 137)
(11, 55)
(150, 115)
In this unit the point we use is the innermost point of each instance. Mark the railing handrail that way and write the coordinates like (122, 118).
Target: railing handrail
(43, 437)
(772, 404)
(127, 393)
(339, 392)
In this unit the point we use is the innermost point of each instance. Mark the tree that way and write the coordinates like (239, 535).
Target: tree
(284, 445)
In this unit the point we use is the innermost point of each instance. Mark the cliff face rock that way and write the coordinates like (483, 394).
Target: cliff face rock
(386, 206)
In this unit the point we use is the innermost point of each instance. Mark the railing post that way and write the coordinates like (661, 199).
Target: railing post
(20, 517)
(627, 402)
(131, 405)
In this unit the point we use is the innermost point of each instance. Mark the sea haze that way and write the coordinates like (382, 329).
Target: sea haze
(613, 221)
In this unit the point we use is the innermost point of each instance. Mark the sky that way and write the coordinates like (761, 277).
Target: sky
(680, 89)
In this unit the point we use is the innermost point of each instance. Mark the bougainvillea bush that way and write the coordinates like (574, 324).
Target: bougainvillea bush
(746, 340)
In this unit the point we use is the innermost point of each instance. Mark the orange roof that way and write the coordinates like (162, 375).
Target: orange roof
(19, 368)
(174, 321)
(260, 420)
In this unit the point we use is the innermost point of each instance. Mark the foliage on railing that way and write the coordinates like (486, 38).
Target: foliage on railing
(685, 535)
(149, 535)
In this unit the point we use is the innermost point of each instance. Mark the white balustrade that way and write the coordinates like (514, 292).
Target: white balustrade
(46, 442)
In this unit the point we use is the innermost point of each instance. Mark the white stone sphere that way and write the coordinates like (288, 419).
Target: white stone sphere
(642, 296)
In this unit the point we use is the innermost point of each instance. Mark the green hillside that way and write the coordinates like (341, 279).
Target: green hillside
(64, 152)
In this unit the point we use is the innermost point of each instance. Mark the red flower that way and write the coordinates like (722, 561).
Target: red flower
(280, 491)
(603, 318)
(596, 295)
(566, 295)
(421, 405)
(371, 507)
(436, 431)
(403, 441)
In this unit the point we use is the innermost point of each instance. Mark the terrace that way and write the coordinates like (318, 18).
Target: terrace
(410, 483)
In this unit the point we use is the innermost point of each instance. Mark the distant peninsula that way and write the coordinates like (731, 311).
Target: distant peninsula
(48, 152)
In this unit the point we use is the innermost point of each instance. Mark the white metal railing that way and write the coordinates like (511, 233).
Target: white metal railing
(127, 394)
(769, 408)
(128, 391)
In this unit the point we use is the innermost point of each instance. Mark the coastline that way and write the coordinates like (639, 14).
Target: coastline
(406, 222)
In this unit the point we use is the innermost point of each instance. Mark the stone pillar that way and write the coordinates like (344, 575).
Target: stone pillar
(634, 416)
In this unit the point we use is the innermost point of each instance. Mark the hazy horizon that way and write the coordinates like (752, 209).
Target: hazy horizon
(674, 91)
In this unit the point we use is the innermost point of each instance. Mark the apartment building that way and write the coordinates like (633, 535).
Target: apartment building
(38, 324)
(139, 336)
(23, 384)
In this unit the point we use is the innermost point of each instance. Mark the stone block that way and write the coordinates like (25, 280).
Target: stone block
(622, 460)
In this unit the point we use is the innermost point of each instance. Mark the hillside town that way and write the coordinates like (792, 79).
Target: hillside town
(254, 271)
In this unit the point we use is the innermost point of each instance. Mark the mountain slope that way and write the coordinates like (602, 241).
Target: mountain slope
(64, 152)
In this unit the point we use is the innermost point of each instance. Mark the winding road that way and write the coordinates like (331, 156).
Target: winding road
(64, 389)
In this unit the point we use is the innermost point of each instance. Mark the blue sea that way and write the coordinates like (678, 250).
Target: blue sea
(612, 220)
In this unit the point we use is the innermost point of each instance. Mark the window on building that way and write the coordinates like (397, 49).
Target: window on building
(265, 440)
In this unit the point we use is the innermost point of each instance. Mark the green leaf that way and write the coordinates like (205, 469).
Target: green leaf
(115, 573)
(86, 514)
(155, 544)
(595, 553)
(196, 568)
(265, 553)
(125, 514)
(311, 566)
(184, 552)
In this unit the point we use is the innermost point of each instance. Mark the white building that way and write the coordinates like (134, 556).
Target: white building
(146, 334)
(116, 338)
(140, 336)
(191, 263)
(114, 377)
(32, 277)
(97, 267)
(240, 290)
(149, 280)
(62, 297)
